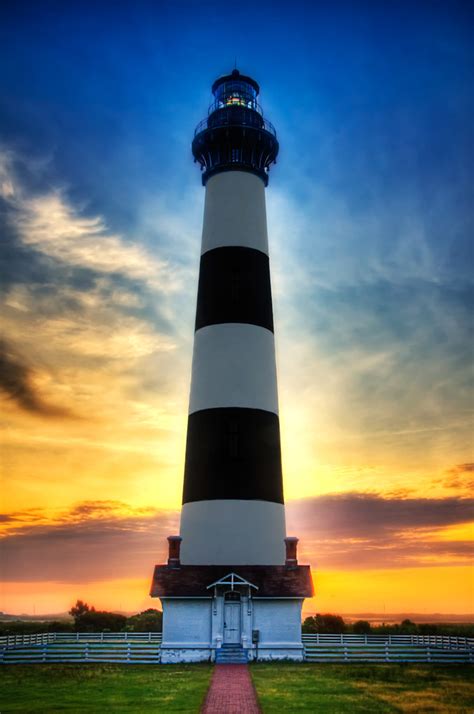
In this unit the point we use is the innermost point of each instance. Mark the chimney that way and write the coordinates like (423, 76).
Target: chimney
(174, 545)
(291, 557)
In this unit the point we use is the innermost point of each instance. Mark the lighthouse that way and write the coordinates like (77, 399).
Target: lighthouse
(232, 589)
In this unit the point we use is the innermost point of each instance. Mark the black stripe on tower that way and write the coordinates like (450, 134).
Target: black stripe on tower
(233, 453)
(234, 286)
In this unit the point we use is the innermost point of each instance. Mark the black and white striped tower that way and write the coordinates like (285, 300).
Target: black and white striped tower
(232, 588)
(233, 508)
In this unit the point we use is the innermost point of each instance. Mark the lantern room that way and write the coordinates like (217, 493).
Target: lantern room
(235, 90)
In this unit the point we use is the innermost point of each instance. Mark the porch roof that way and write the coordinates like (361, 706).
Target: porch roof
(193, 580)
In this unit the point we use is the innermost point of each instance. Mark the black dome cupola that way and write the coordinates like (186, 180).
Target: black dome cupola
(235, 135)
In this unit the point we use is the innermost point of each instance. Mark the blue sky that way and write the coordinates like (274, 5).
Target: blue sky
(370, 223)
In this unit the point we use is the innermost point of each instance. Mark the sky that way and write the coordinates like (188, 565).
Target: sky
(370, 220)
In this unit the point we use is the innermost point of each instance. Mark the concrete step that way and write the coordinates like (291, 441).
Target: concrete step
(231, 654)
(230, 649)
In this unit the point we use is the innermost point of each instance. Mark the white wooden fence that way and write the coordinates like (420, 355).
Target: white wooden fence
(445, 641)
(388, 648)
(83, 652)
(144, 648)
(69, 637)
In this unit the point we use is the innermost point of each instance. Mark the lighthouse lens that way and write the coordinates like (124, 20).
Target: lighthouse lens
(239, 94)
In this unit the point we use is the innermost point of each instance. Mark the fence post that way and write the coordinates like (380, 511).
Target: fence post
(317, 638)
(149, 637)
(366, 639)
(342, 639)
(387, 653)
(45, 648)
(128, 652)
(428, 654)
(346, 659)
(86, 652)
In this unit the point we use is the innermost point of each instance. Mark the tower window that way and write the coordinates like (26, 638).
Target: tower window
(235, 286)
(234, 440)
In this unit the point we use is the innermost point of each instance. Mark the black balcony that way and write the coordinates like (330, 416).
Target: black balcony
(235, 138)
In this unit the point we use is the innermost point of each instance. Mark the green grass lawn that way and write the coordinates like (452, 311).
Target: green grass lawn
(99, 688)
(363, 689)
(282, 688)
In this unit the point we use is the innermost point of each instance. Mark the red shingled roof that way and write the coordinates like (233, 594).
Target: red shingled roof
(271, 580)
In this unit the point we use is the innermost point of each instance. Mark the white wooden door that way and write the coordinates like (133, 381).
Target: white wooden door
(232, 622)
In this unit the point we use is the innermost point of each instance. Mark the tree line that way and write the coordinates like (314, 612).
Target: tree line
(88, 619)
(335, 624)
(85, 618)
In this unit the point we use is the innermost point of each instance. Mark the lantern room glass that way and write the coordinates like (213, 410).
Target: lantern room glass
(236, 93)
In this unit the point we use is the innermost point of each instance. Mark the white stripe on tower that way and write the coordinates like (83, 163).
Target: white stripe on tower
(233, 366)
(243, 532)
(233, 510)
(234, 212)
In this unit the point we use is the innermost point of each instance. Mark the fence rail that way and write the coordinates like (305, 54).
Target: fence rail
(388, 648)
(48, 637)
(83, 652)
(387, 653)
(443, 641)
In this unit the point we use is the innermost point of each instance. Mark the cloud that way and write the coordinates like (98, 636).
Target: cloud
(459, 478)
(93, 541)
(51, 225)
(102, 540)
(94, 311)
(462, 468)
(17, 383)
(364, 530)
(373, 335)
(370, 515)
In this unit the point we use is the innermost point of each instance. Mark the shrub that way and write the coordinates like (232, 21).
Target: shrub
(329, 624)
(361, 627)
(150, 620)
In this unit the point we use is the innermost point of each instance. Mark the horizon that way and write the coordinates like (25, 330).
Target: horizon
(369, 219)
(349, 617)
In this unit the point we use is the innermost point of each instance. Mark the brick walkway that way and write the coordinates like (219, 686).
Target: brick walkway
(231, 691)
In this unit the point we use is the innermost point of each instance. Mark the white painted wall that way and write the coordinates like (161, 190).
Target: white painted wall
(279, 622)
(234, 212)
(234, 366)
(186, 622)
(193, 628)
(232, 532)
